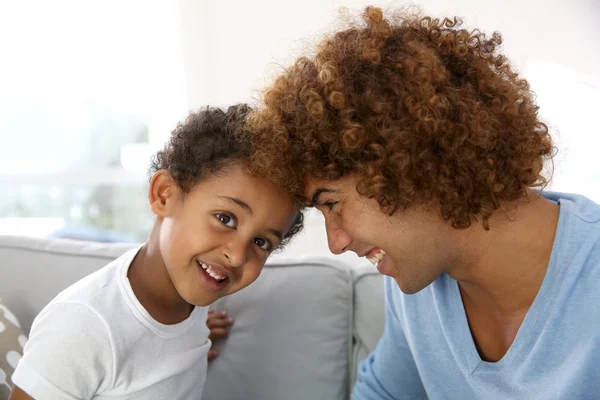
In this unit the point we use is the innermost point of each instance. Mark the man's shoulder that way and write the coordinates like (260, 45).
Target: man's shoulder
(576, 205)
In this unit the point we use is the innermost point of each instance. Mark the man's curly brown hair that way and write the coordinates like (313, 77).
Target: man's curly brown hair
(418, 109)
(208, 142)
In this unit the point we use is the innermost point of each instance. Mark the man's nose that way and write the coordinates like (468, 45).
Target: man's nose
(337, 238)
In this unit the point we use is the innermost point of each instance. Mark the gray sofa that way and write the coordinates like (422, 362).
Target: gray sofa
(299, 333)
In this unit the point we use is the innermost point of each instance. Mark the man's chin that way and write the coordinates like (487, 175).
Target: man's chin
(408, 287)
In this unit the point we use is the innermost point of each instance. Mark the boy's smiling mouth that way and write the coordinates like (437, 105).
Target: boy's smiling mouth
(213, 277)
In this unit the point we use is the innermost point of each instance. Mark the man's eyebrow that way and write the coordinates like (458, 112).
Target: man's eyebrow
(239, 202)
(315, 197)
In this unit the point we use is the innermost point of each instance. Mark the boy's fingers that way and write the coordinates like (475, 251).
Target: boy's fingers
(212, 354)
(218, 322)
(218, 333)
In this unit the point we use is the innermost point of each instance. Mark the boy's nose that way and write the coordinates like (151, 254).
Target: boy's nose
(235, 253)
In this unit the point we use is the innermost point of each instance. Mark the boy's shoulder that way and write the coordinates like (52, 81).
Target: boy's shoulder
(101, 289)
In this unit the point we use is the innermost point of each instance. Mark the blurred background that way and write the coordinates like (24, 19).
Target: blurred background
(89, 90)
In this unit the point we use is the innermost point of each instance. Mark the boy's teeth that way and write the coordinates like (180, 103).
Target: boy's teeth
(209, 270)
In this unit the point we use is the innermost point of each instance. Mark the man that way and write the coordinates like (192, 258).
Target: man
(424, 151)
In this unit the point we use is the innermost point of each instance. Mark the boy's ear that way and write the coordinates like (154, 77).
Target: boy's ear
(162, 189)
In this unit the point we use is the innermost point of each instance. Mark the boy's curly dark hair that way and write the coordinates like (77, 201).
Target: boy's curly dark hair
(420, 110)
(207, 142)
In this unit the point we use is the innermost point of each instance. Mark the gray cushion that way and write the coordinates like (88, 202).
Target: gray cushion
(33, 271)
(12, 341)
(291, 336)
(369, 313)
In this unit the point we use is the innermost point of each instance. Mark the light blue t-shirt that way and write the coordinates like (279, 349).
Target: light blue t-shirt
(427, 350)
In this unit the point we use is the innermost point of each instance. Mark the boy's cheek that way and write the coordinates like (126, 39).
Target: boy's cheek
(249, 277)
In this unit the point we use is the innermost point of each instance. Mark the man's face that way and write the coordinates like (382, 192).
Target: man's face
(413, 246)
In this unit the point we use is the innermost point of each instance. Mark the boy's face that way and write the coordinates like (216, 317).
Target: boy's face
(417, 244)
(215, 240)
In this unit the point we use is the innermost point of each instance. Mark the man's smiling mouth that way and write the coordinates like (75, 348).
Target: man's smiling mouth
(375, 256)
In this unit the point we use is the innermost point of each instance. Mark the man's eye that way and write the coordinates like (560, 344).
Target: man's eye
(330, 204)
(263, 243)
(226, 220)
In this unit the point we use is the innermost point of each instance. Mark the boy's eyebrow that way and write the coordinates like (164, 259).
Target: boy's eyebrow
(318, 193)
(248, 209)
(239, 202)
(276, 233)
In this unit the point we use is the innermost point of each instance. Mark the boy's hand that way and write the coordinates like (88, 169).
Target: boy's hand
(218, 323)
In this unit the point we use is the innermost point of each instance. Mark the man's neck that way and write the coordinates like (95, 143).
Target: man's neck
(503, 268)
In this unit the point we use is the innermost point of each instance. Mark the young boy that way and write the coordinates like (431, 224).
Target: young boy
(136, 329)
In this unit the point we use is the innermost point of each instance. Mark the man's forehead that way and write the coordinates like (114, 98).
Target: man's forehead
(312, 184)
(314, 188)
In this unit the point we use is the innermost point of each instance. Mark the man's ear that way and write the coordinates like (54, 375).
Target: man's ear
(161, 193)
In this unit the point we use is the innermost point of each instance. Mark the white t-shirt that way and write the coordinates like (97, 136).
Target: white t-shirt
(96, 341)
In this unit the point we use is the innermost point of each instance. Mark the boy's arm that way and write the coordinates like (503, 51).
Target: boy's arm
(389, 372)
(17, 394)
(68, 355)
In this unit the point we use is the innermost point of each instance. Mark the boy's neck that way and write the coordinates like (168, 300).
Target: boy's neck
(503, 268)
(152, 285)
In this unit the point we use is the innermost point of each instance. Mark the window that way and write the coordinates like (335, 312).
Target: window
(89, 91)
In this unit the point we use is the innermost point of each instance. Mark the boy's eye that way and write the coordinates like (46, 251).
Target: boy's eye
(263, 243)
(226, 220)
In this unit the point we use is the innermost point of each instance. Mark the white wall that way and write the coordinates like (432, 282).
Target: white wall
(230, 44)
(234, 47)
(59, 57)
